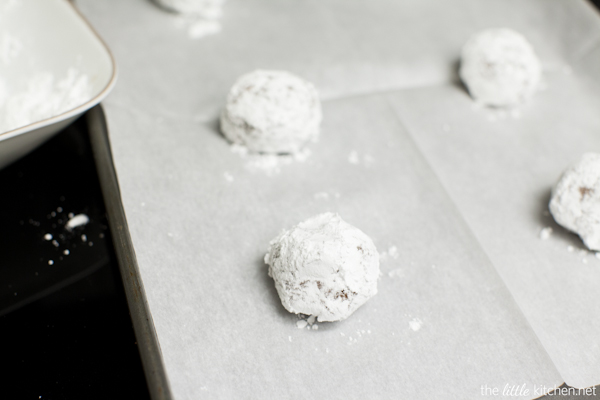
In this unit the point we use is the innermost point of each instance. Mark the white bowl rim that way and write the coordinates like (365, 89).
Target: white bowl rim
(81, 108)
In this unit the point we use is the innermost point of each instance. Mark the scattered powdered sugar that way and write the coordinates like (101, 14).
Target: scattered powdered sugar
(498, 114)
(77, 220)
(199, 18)
(545, 233)
(415, 324)
(10, 47)
(198, 27)
(396, 273)
(392, 252)
(308, 322)
(202, 27)
(301, 323)
(583, 254)
(270, 164)
(42, 97)
(63, 227)
(356, 336)
(355, 159)
(325, 195)
(228, 177)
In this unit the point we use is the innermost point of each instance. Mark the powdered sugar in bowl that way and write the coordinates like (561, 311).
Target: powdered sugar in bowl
(53, 67)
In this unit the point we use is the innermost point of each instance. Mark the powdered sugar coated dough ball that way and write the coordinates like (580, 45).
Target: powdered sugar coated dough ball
(324, 267)
(204, 8)
(271, 112)
(575, 202)
(500, 68)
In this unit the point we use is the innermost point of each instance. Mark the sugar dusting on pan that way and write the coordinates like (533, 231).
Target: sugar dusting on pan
(198, 27)
(269, 164)
(415, 324)
(199, 18)
(64, 232)
(77, 220)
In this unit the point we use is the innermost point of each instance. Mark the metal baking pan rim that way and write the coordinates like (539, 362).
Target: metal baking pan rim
(143, 324)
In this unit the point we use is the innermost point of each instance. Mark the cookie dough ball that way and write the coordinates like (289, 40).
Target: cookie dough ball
(271, 112)
(575, 202)
(204, 8)
(324, 267)
(500, 68)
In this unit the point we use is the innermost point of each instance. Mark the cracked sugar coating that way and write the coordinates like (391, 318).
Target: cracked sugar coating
(575, 202)
(500, 68)
(271, 112)
(324, 267)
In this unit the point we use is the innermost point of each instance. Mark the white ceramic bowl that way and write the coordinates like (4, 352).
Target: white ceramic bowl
(53, 67)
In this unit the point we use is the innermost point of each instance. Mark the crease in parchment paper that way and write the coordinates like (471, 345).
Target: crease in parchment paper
(455, 206)
(502, 172)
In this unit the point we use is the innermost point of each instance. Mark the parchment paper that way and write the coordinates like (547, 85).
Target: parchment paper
(200, 237)
(500, 172)
(201, 240)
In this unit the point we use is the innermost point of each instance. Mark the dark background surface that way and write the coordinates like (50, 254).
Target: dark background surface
(65, 327)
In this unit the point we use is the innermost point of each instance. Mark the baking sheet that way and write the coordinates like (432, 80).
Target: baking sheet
(140, 316)
(200, 218)
(500, 170)
(220, 323)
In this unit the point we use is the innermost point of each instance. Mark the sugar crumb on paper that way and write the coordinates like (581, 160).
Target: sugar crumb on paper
(355, 159)
(415, 324)
(199, 18)
(269, 164)
(546, 232)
